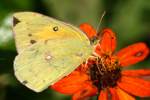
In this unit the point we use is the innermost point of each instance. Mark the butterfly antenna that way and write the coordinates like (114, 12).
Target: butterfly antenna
(95, 40)
(98, 26)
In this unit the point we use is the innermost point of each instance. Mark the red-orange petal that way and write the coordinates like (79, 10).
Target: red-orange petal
(135, 86)
(103, 95)
(88, 29)
(86, 91)
(135, 73)
(133, 54)
(114, 94)
(107, 43)
(123, 95)
(71, 83)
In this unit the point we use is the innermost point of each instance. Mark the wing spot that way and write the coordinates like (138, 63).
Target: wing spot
(32, 41)
(79, 54)
(44, 81)
(25, 82)
(29, 35)
(15, 21)
(48, 56)
(55, 28)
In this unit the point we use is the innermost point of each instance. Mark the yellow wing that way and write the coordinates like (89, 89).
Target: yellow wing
(46, 62)
(30, 28)
(48, 49)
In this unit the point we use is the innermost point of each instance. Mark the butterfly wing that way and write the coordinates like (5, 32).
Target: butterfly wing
(30, 27)
(46, 62)
(48, 49)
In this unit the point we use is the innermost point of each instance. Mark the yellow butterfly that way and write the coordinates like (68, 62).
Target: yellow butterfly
(48, 49)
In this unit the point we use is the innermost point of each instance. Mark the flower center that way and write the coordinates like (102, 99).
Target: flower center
(105, 72)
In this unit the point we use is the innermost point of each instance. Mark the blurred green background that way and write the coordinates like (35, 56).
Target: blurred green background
(130, 19)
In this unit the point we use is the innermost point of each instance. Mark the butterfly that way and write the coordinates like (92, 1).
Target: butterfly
(48, 49)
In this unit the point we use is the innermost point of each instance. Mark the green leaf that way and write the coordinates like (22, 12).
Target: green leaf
(6, 35)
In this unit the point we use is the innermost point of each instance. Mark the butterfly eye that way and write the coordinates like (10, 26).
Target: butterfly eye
(55, 28)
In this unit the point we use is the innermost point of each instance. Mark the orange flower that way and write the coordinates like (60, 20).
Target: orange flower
(103, 75)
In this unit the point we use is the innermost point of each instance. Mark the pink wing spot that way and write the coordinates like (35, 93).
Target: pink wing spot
(48, 56)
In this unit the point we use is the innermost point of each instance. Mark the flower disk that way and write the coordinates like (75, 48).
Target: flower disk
(105, 72)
